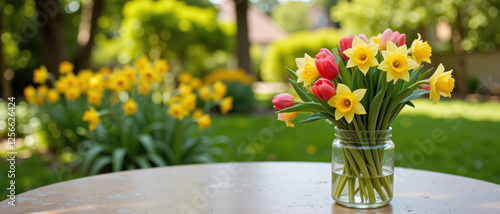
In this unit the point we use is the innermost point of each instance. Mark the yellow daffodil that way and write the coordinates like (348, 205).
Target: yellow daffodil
(39, 99)
(362, 55)
(65, 67)
(441, 83)
(226, 105)
(185, 77)
(196, 83)
(52, 96)
(130, 107)
(197, 113)
(40, 75)
(144, 88)
(142, 62)
(204, 122)
(131, 74)
(72, 93)
(85, 74)
(94, 97)
(189, 102)
(70, 81)
(95, 83)
(346, 103)
(288, 118)
(396, 63)
(119, 82)
(83, 84)
(104, 71)
(92, 116)
(204, 93)
(219, 90)
(177, 111)
(185, 89)
(420, 51)
(161, 66)
(149, 75)
(42, 90)
(307, 72)
(29, 94)
(60, 85)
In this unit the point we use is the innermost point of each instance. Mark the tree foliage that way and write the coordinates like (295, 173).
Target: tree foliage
(292, 16)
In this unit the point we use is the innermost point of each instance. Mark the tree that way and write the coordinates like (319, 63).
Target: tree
(242, 41)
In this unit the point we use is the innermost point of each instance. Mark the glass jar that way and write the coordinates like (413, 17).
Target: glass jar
(362, 168)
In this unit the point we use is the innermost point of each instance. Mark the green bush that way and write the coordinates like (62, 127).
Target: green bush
(282, 53)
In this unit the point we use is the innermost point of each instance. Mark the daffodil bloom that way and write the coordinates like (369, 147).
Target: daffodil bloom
(185, 77)
(204, 93)
(131, 74)
(52, 96)
(104, 71)
(226, 105)
(141, 62)
(396, 63)
(346, 103)
(29, 94)
(119, 82)
(60, 85)
(65, 67)
(94, 97)
(83, 84)
(307, 72)
(197, 113)
(40, 75)
(130, 107)
(204, 122)
(185, 89)
(149, 75)
(362, 55)
(95, 83)
(177, 111)
(420, 51)
(72, 93)
(92, 116)
(288, 118)
(219, 91)
(189, 102)
(39, 100)
(69, 80)
(144, 88)
(161, 66)
(441, 83)
(196, 83)
(42, 90)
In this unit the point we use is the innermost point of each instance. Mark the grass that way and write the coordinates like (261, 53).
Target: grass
(453, 137)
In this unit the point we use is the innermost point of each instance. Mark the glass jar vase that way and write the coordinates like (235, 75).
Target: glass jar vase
(362, 168)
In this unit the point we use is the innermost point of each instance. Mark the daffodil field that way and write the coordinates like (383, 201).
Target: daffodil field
(138, 116)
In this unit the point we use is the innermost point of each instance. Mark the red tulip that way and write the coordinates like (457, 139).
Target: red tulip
(325, 63)
(283, 101)
(324, 89)
(344, 44)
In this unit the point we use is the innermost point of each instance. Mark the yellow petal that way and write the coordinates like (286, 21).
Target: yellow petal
(384, 66)
(405, 76)
(350, 63)
(301, 62)
(403, 50)
(343, 89)
(349, 52)
(359, 109)
(333, 101)
(411, 64)
(358, 43)
(386, 55)
(359, 94)
(390, 76)
(373, 48)
(349, 116)
(338, 114)
(364, 68)
(391, 47)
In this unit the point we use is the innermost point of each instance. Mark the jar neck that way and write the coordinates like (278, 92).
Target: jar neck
(363, 136)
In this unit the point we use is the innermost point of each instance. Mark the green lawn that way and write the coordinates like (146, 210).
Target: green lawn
(454, 137)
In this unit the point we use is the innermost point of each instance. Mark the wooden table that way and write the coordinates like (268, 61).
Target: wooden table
(258, 187)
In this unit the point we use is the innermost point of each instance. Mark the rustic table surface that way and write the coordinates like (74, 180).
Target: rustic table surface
(257, 187)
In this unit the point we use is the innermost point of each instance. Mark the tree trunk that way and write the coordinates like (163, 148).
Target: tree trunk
(51, 25)
(242, 41)
(460, 71)
(86, 33)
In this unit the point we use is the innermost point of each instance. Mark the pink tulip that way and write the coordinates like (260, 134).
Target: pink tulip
(324, 89)
(325, 63)
(363, 37)
(426, 87)
(384, 38)
(402, 39)
(399, 38)
(283, 101)
(344, 44)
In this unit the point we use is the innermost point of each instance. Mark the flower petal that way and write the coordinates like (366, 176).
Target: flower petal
(359, 109)
(359, 94)
(338, 114)
(301, 62)
(349, 116)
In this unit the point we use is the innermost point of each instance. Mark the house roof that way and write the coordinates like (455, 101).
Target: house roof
(261, 28)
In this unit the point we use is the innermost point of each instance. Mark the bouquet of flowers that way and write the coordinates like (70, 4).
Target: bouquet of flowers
(361, 87)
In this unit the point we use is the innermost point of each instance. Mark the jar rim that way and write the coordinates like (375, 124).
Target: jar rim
(348, 131)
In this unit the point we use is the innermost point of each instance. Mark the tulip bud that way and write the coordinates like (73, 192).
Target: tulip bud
(324, 89)
(426, 87)
(384, 38)
(399, 38)
(364, 38)
(283, 101)
(344, 44)
(325, 63)
(402, 39)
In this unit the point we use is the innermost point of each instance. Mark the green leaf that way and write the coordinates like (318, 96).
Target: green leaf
(307, 106)
(374, 109)
(143, 162)
(99, 164)
(415, 94)
(317, 116)
(300, 91)
(410, 104)
(422, 76)
(89, 156)
(156, 159)
(148, 143)
(118, 155)
(292, 73)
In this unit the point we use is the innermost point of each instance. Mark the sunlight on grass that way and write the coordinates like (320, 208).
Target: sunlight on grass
(447, 109)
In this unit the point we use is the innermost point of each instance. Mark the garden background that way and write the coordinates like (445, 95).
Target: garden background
(246, 45)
